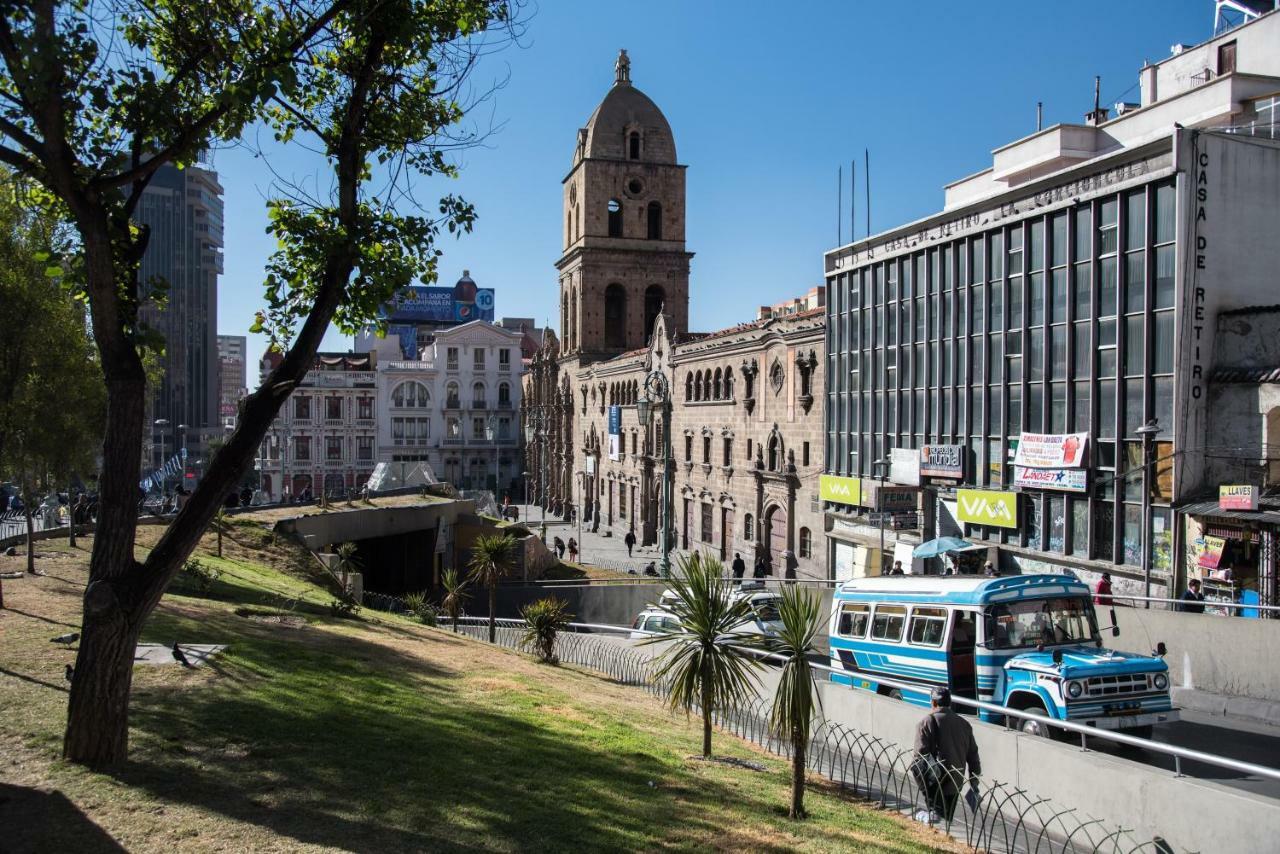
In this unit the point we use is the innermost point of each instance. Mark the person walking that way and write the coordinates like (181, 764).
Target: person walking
(760, 570)
(573, 550)
(630, 540)
(1192, 600)
(739, 566)
(559, 547)
(1102, 596)
(946, 754)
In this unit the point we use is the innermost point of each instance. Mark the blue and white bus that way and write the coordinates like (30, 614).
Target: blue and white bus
(1029, 642)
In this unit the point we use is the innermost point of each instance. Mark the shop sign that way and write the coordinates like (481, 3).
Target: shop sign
(840, 490)
(615, 449)
(987, 507)
(1051, 451)
(1237, 497)
(1068, 480)
(615, 421)
(591, 465)
(896, 499)
(942, 461)
(904, 466)
(1211, 554)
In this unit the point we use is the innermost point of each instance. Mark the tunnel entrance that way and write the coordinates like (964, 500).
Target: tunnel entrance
(400, 563)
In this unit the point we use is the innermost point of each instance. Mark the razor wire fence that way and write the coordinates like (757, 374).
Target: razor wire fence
(1001, 817)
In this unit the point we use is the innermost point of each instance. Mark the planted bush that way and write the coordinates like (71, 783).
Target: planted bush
(421, 609)
(544, 619)
(201, 575)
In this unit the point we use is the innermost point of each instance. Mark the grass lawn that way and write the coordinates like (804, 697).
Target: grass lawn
(371, 734)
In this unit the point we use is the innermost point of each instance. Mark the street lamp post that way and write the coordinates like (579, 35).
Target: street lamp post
(1148, 433)
(881, 464)
(658, 391)
(491, 433)
(181, 450)
(162, 427)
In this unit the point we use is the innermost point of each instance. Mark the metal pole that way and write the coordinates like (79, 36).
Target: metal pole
(666, 486)
(1146, 514)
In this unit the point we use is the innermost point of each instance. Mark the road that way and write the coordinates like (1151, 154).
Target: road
(1235, 738)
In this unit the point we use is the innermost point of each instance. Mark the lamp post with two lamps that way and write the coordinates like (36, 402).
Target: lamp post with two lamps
(1148, 433)
(657, 392)
(881, 465)
(533, 436)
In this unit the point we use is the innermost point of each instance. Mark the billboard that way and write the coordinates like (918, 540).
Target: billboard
(942, 461)
(1049, 451)
(1069, 480)
(614, 432)
(840, 490)
(904, 466)
(418, 304)
(987, 507)
(1237, 497)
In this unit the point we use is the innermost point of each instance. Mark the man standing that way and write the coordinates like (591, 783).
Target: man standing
(1103, 593)
(739, 566)
(1192, 600)
(630, 540)
(897, 568)
(945, 748)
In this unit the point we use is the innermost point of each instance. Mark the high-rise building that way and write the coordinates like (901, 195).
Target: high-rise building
(231, 377)
(183, 210)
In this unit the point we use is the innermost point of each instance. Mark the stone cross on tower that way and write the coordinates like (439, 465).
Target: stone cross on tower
(622, 68)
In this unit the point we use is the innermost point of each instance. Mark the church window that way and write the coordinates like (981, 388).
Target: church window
(615, 218)
(688, 386)
(719, 386)
(806, 543)
(635, 186)
(655, 221)
(615, 316)
(654, 297)
(633, 145)
(775, 453)
(697, 387)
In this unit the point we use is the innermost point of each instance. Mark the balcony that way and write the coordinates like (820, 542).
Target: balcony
(504, 404)
(455, 441)
(480, 404)
(453, 403)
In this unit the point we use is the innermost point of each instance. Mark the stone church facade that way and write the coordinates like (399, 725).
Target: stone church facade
(746, 428)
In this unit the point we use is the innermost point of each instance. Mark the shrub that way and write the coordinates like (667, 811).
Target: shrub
(420, 609)
(517, 531)
(201, 575)
(544, 619)
(343, 608)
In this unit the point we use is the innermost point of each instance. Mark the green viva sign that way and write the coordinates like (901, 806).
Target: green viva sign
(840, 490)
(987, 507)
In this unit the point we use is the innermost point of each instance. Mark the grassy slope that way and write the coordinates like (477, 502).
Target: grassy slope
(370, 734)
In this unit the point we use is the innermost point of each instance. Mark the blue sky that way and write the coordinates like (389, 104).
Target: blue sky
(766, 100)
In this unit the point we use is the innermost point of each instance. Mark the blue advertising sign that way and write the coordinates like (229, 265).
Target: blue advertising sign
(615, 420)
(408, 336)
(417, 304)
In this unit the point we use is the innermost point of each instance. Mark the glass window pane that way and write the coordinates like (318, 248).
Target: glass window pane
(1057, 508)
(1165, 213)
(995, 242)
(1057, 407)
(1079, 526)
(1162, 405)
(1015, 302)
(1035, 354)
(1164, 277)
(1037, 245)
(1059, 247)
(1135, 281)
(1107, 287)
(1107, 219)
(1083, 352)
(993, 410)
(977, 308)
(1084, 234)
(1107, 363)
(977, 256)
(1033, 527)
(1162, 361)
(1134, 346)
(1058, 352)
(1106, 333)
(1035, 299)
(1035, 408)
(1058, 296)
(1015, 250)
(1134, 416)
(1013, 423)
(995, 350)
(1080, 406)
(1082, 290)
(997, 306)
(1103, 530)
(1133, 534)
(1106, 404)
(1135, 220)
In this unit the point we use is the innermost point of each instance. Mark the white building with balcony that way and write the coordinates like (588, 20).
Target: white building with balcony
(455, 408)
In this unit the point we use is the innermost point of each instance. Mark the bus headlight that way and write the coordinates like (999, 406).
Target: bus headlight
(1160, 681)
(1073, 689)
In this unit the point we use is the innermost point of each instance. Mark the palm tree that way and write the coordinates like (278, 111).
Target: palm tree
(492, 557)
(219, 520)
(348, 562)
(455, 594)
(796, 697)
(706, 664)
(544, 620)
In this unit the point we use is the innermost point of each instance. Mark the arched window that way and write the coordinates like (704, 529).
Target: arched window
(477, 396)
(688, 386)
(452, 396)
(568, 228)
(654, 296)
(806, 543)
(718, 386)
(410, 395)
(615, 218)
(655, 221)
(504, 394)
(728, 383)
(633, 145)
(571, 341)
(615, 317)
(775, 452)
(697, 386)
(749, 528)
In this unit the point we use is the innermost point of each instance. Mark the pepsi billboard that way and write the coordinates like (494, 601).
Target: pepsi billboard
(418, 304)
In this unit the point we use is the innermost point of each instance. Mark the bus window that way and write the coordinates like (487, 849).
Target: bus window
(1031, 622)
(927, 626)
(887, 624)
(853, 620)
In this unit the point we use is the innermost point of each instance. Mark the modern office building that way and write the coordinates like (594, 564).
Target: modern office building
(998, 370)
(232, 378)
(182, 208)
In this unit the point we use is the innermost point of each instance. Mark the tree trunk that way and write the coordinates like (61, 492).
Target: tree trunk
(31, 538)
(706, 713)
(218, 525)
(797, 774)
(98, 717)
(493, 613)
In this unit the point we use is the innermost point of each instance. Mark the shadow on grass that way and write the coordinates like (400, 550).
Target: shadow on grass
(340, 741)
(48, 821)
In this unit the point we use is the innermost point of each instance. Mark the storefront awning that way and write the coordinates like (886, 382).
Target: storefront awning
(1268, 514)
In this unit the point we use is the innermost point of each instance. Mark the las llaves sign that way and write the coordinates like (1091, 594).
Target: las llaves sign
(841, 490)
(986, 507)
(1238, 497)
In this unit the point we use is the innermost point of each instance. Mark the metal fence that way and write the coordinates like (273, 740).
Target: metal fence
(1006, 818)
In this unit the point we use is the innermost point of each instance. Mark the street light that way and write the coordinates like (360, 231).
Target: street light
(657, 392)
(1148, 432)
(881, 464)
(162, 426)
(491, 433)
(182, 447)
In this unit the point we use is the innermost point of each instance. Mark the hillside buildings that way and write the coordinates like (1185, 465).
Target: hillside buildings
(1071, 326)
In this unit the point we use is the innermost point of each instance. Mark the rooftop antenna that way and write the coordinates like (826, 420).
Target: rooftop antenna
(853, 201)
(1097, 93)
(839, 206)
(866, 183)
(1039, 116)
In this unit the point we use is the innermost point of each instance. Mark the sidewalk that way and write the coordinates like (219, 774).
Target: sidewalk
(1225, 706)
(596, 549)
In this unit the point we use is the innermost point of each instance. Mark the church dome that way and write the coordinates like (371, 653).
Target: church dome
(623, 112)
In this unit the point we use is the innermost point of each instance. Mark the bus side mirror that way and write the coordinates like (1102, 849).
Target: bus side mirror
(1057, 656)
(1161, 649)
(1115, 624)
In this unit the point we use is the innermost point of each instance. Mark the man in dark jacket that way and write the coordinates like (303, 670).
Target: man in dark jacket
(1192, 600)
(944, 749)
(739, 566)
(630, 540)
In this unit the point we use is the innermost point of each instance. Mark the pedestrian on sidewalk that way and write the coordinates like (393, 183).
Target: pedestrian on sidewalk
(1192, 600)
(559, 547)
(759, 570)
(945, 748)
(739, 566)
(1103, 593)
(573, 550)
(630, 540)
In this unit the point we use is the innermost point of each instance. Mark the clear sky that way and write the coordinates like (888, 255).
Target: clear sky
(766, 101)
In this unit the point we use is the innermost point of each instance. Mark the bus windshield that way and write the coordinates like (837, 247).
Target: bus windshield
(766, 608)
(1029, 623)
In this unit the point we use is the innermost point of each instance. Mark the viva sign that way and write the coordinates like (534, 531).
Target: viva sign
(840, 490)
(987, 507)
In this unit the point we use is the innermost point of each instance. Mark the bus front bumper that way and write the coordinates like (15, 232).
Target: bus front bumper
(1129, 721)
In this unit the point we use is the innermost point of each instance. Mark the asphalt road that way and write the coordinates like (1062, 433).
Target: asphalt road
(1242, 739)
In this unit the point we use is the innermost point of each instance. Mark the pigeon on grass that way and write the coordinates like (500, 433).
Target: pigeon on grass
(70, 673)
(66, 640)
(180, 656)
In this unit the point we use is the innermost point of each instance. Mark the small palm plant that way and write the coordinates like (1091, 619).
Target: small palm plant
(219, 522)
(797, 695)
(543, 620)
(455, 595)
(492, 557)
(348, 562)
(706, 664)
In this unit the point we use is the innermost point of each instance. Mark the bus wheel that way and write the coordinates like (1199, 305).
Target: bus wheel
(1035, 727)
(894, 694)
(1139, 732)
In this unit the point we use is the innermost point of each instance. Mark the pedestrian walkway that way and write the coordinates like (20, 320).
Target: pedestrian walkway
(596, 549)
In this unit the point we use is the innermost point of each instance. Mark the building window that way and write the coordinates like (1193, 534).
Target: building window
(806, 543)
(364, 408)
(748, 528)
(688, 449)
(333, 408)
(615, 316)
(364, 448)
(706, 523)
(633, 145)
(453, 429)
(477, 428)
(728, 452)
(477, 396)
(333, 448)
(452, 396)
(451, 359)
(706, 450)
(655, 221)
(804, 453)
(504, 360)
(478, 356)
(504, 428)
(1226, 58)
(302, 408)
(408, 395)
(615, 218)
(504, 394)
(302, 448)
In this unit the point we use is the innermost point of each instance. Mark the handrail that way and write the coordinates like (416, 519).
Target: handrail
(1178, 753)
(1208, 603)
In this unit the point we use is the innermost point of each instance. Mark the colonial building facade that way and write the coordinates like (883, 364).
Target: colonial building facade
(745, 448)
